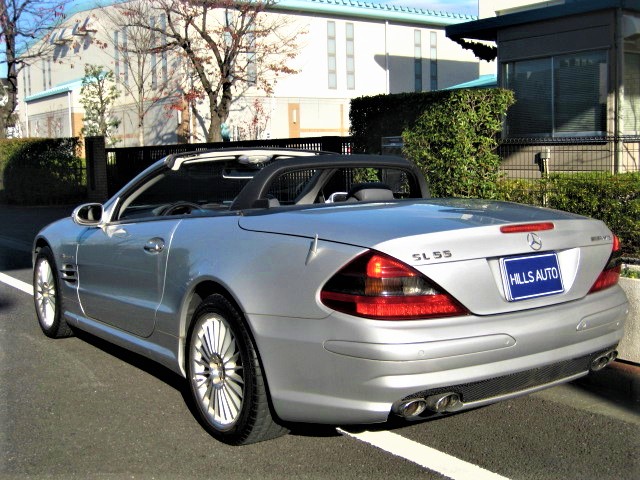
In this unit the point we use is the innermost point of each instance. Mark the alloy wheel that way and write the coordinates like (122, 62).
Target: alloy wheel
(45, 293)
(217, 371)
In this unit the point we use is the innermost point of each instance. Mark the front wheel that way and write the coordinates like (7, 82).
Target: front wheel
(225, 376)
(47, 297)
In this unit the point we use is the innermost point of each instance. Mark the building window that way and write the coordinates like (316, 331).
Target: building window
(50, 76)
(631, 103)
(558, 96)
(125, 56)
(252, 70)
(164, 54)
(417, 60)
(433, 62)
(154, 56)
(29, 78)
(229, 27)
(351, 59)
(331, 55)
(44, 74)
(116, 55)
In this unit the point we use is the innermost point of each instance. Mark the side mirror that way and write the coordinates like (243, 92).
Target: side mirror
(89, 214)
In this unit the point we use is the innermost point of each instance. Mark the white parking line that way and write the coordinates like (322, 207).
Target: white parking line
(15, 283)
(424, 456)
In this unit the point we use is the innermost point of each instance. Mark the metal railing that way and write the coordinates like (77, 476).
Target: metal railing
(533, 158)
(125, 163)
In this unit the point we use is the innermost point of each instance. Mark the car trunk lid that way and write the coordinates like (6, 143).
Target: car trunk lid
(458, 244)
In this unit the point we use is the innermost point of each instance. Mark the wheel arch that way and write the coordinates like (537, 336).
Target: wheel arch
(198, 293)
(39, 243)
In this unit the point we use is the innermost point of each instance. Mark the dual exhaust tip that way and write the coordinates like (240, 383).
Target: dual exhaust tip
(451, 401)
(440, 403)
(603, 360)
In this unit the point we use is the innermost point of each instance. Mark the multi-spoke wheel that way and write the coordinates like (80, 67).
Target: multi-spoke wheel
(46, 295)
(225, 376)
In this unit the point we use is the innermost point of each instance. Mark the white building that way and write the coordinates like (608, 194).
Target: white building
(349, 49)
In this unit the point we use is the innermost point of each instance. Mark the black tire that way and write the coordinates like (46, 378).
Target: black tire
(225, 377)
(47, 297)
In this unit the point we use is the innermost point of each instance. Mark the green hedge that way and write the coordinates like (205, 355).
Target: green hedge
(378, 116)
(614, 199)
(451, 135)
(454, 142)
(41, 171)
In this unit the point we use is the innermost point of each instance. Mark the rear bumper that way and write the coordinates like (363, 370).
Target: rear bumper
(342, 369)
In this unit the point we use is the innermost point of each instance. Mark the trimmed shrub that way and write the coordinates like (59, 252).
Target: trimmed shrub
(520, 191)
(614, 199)
(455, 139)
(41, 171)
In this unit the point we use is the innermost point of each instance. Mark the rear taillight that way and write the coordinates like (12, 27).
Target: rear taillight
(378, 286)
(527, 227)
(611, 273)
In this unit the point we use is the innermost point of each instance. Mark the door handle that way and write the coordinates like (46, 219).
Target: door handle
(154, 245)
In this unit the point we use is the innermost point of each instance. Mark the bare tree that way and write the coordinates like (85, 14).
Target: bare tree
(145, 72)
(25, 26)
(255, 121)
(230, 46)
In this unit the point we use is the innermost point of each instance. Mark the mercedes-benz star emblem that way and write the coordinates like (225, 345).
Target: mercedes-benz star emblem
(534, 241)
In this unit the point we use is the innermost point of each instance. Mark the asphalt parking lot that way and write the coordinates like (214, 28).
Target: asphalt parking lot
(80, 408)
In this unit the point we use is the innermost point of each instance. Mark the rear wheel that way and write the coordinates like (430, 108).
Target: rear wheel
(46, 295)
(225, 376)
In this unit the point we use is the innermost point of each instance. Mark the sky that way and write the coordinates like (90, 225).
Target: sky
(469, 7)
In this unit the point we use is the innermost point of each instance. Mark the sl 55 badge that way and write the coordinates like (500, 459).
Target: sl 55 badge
(421, 257)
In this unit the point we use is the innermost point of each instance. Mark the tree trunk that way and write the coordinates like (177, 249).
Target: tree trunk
(12, 80)
(141, 116)
(185, 121)
(214, 134)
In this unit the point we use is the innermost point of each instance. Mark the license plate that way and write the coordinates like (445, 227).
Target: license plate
(531, 276)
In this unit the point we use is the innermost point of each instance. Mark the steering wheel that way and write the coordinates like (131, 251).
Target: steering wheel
(181, 208)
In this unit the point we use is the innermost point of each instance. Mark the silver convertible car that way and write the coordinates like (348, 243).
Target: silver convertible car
(295, 286)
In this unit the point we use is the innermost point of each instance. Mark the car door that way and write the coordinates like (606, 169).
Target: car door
(121, 270)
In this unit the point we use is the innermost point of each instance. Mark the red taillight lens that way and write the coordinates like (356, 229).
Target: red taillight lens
(377, 286)
(611, 273)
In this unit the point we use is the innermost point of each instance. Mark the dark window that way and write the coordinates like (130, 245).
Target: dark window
(631, 104)
(558, 96)
(417, 60)
(434, 61)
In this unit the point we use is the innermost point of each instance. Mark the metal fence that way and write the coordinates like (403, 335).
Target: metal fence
(527, 159)
(533, 158)
(125, 163)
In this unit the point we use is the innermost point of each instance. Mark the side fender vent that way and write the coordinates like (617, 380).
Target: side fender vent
(69, 273)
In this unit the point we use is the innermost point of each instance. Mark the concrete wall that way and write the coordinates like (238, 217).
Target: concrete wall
(629, 348)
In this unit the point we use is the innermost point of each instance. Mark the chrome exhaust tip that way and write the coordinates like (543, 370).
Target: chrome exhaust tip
(409, 408)
(444, 402)
(603, 360)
